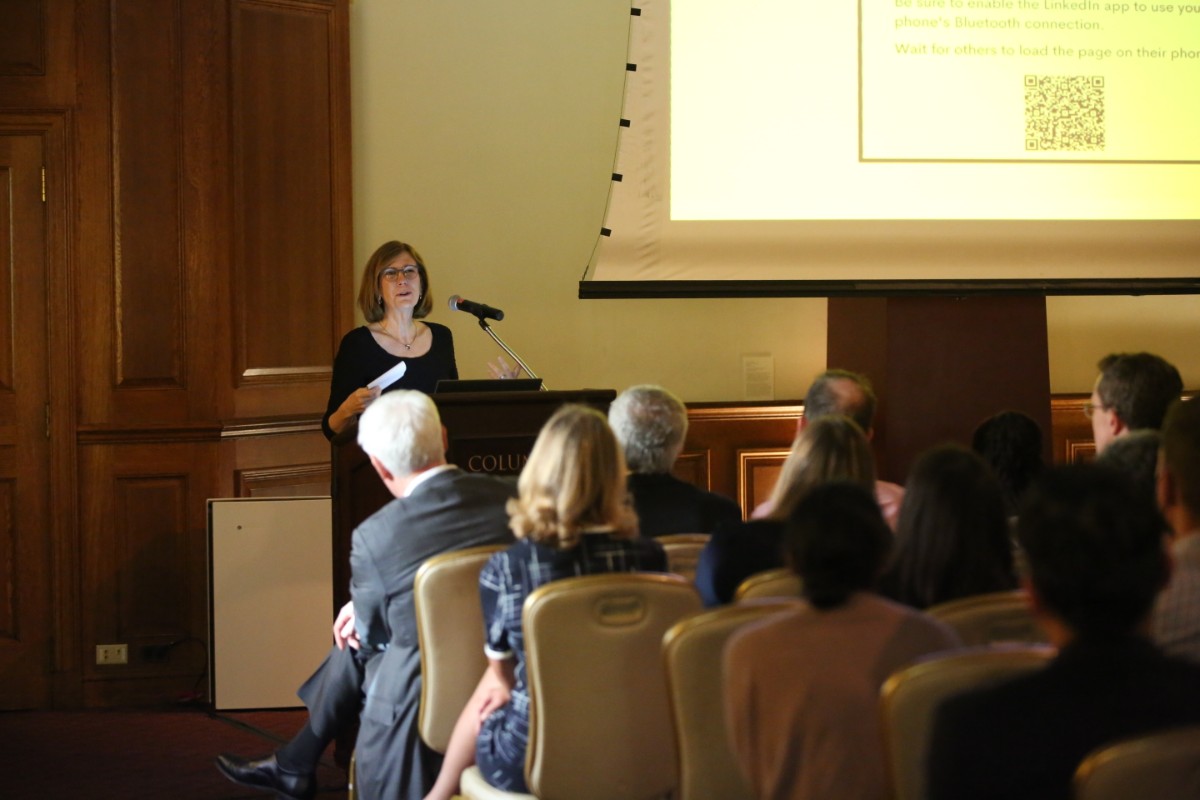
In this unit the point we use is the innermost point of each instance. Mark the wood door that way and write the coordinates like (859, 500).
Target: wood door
(25, 533)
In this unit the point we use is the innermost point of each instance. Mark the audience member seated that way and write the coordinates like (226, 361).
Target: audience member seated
(570, 518)
(438, 508)
(839, 392)
(651, 425)
(1011, 444)
(833, 448)
(1177, 616)
(953, 539)
(1132, 393)
(802, 687)
(1135, 455)
(1097, 562)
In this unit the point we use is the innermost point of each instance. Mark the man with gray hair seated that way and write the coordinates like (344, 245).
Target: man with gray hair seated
(375, 664)
(651, 425)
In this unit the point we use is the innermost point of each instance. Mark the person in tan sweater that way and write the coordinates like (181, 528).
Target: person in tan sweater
(802, 686)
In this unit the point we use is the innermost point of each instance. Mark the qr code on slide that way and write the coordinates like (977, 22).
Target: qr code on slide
(1064, 112)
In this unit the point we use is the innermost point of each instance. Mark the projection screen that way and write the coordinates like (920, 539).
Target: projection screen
(905, 146)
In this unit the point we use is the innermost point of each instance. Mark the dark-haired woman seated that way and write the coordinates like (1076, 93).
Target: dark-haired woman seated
(953, 538)
(802, 686)
(1011, 444)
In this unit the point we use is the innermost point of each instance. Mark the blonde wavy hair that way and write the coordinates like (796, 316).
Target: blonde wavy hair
(574, 480)
(831, 448)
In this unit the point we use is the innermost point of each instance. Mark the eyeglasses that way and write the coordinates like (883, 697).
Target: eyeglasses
(408, 274)
(1090, 408)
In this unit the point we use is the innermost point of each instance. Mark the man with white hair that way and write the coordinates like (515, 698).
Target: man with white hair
(651, 425)
(375, 665)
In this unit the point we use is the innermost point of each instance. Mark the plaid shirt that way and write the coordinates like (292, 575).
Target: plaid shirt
(513, 574)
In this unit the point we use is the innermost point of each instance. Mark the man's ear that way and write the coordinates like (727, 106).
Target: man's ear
(1116, 424)
(381, 469)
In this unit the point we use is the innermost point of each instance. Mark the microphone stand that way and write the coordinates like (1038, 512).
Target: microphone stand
(495, 338)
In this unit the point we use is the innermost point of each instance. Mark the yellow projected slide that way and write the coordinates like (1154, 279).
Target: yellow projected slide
(1031, 79)
(934, 110)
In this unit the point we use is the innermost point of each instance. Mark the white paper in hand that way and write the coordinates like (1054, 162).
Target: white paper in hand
(388, 378)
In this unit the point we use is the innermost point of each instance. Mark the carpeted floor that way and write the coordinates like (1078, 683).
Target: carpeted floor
(141, 754)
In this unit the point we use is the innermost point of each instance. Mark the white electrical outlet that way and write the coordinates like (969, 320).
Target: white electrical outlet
(112, 654)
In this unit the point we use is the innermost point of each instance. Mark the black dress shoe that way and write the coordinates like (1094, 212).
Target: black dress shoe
(265, 773)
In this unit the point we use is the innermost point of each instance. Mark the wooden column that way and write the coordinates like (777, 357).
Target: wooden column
(941, 365)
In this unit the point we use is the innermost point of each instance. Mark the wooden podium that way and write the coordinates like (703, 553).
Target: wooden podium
(489, 432)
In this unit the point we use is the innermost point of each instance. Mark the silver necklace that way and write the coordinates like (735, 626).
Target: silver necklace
(406, 345)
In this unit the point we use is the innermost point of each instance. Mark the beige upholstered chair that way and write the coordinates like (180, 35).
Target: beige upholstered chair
(781, 582)
(600, 724)
(991, 618)
(910, 697)
(693, 650)
(683, 551)
(450, 631)
(1165, 766)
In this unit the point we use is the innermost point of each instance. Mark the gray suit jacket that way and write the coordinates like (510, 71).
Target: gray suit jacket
(452, 510)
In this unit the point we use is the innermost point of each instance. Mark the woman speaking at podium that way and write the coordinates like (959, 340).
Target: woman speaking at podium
(395, 349)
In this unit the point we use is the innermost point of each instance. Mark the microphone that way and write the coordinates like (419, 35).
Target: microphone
(478, 309)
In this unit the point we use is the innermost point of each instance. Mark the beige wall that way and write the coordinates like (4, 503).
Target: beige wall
(484, 133)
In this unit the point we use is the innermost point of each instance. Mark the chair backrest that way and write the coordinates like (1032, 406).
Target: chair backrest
(910, 697)
(991, 618)
(1164, 765)
(693, 650)
(683, 552)
(780, 582)
(450, 632)
(600, 724)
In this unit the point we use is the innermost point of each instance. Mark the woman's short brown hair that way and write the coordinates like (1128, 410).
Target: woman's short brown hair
(574, 480)
(370, 299)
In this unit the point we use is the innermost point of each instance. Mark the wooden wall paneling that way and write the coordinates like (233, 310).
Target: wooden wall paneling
(290, 201)
(37, 53)
(25, 601)
(10, 561)
(282, 458)
(35, 551)
(149, 325)
(92, 215)
(695, 468)
(1071, 432)
(23, 41)
(152, 214)
(206, 197)
(758, 471)
(145, 566)
(134, 101)
(150, 346)
(724, 431)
